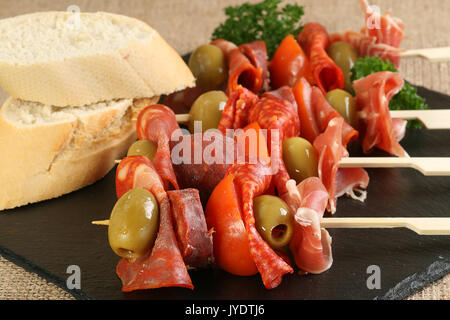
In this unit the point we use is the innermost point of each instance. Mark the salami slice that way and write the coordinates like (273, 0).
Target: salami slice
(157, 123)
(240, 70)
(252, 180)
(194, 240)
(235, 112)
(281, 121)
(163, 265)
(338, 181)
(284, 93)
(314, 40)
(256, 52)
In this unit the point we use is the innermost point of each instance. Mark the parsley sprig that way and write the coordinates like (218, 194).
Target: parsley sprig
(406, 99)
(261, 21)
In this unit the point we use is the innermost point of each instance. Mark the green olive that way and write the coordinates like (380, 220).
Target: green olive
(344, 103)
(345, 56)
(300, 158)
(143, 148)
(207, 109)
(134, 223)
(209, 66)
(273, 220)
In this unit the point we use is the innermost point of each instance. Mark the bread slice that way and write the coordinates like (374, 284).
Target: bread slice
(62, 59)
(48, 151)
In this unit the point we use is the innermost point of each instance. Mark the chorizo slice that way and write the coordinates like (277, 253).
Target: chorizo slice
(194, 239)
(157, 123)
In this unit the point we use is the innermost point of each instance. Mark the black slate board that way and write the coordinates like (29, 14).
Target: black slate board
(48, 237)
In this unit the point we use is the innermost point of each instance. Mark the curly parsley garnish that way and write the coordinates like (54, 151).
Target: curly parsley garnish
(260, 21)
(406, 99)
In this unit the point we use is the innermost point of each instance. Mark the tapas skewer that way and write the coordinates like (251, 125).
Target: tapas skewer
(431, 119)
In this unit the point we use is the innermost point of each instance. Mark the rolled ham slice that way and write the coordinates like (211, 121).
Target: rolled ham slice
(310, 244)
(367, 45)
(385, 29)
(373, 94)
(338, 181)
(315, 113)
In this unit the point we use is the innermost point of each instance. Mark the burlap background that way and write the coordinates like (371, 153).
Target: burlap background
(185, 24)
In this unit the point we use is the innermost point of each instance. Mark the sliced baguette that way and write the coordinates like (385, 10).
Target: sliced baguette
(46, 151)
(50, 58)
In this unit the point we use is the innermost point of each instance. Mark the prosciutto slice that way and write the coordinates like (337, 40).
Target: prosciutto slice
(338, 181)
(241, 71)
(380, 37)
(367, 45)
(163, 265)
(157, 123)
(314, 40)
(385, 29)
(310, 244)
(373, 94)
(252, 180)
(315, 113)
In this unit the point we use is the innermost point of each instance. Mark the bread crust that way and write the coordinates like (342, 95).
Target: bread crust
(41, 162)
(138, 70)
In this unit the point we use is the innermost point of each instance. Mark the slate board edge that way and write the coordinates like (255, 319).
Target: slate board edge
(405, 288)
(41, 272)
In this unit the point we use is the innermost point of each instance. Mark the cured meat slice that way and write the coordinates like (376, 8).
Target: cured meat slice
(163, 265)
(252, 180)
(194, 240)
(235, 112)
(373, 94)
(314, 40)
(324, 112)
(367, 46)
(280, 119)
(338, 181)
(201, 160)
(284, 93)
(256, 52)
(315, 113)
(240, 70)
(138, 171)
(157, 123)
(385, 29)
(310, 244)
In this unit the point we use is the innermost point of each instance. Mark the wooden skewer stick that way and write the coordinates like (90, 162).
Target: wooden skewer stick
(427, 165)
(422, 226)
(431, 119)
(101, 222)
(431, 54)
